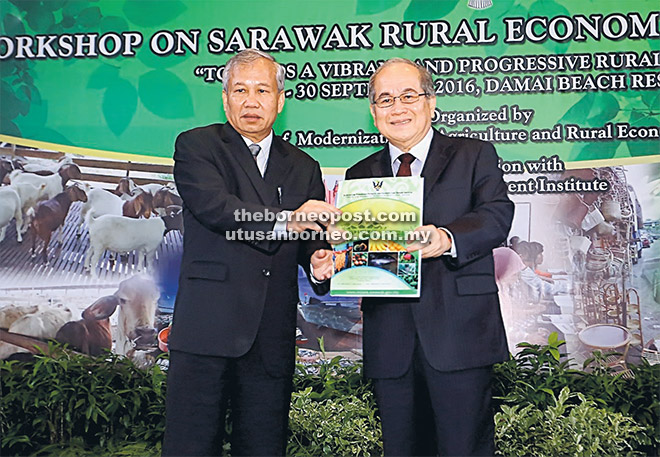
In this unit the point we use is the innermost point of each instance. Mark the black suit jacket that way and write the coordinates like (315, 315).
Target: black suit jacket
(457, 317)
(228, 287)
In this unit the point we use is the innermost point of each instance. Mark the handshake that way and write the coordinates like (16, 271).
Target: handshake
(315, 215)
(318, 216)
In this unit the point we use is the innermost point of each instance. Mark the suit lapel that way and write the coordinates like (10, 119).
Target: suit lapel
(439, 156)
(279, 164)
(240, 152)
(382, 167)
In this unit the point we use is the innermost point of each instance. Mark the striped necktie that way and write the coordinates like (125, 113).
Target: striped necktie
(404, 169)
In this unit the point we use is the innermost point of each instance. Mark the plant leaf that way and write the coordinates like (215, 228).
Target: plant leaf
(374, 6)
(643, 147)
(578, 112)
(74, 7)
(11, 104)
(13, 25)
(605, 108)
(160, 62)
(90, 17)
(165, 95)
(103, 76)
(25, 5)
(423, 10)
(651, 99)
(151, 14)
(40, 20)
(53, 5)
(119, 105)
(8, 127)
(113, 24)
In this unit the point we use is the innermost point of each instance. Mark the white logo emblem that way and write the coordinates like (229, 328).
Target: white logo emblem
(480, 4)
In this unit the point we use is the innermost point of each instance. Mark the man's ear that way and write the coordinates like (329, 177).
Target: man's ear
(432, 103)
(224, 101)
(280, 101)
(373, 112)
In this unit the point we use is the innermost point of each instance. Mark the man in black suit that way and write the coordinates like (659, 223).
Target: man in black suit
(431, 358)
(233, 333)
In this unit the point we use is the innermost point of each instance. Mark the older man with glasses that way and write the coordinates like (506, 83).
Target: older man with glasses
(431, 357)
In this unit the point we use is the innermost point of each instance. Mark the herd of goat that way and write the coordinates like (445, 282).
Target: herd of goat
(38, 194)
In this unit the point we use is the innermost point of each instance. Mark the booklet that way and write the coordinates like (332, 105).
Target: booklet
(378, 216)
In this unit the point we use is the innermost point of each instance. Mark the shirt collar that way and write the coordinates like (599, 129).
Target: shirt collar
(420, 150)
(264, 144)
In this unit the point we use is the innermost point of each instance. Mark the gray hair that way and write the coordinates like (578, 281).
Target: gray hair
(425, 79)
(248, 56)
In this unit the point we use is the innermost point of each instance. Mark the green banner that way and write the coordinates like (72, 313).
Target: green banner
(536, 77)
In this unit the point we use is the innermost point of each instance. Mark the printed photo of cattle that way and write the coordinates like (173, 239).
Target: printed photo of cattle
(89, 252)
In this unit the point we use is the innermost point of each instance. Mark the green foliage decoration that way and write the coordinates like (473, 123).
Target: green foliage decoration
(342, 426)
(330, 379)
(101, 401)
(563, 428)
(539, 372)
(69, 404)
(121, 95)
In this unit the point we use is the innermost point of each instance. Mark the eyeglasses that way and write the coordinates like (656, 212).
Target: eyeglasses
(408, 98)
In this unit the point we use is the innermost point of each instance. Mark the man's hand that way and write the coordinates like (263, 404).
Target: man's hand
(321, 262)
(437, 243)
(336, 235)
(312, 215)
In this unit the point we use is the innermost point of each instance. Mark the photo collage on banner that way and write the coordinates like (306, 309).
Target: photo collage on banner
(94, 94)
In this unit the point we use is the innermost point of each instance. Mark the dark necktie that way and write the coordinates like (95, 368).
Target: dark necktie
(404, 169)
(254, 150)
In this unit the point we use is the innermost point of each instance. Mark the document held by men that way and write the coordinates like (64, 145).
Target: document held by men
(379, 216)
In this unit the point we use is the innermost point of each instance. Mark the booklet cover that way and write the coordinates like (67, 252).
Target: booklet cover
(378, 216)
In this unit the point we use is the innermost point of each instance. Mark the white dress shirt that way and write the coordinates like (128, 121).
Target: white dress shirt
(264, 153)
(262, 163)
(421, 152)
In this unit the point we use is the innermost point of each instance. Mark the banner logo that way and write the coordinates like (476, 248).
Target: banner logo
(377, 185)
(480, 4)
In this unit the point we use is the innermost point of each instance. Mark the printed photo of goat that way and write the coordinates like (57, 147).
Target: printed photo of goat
(89, 253)
(86, 220)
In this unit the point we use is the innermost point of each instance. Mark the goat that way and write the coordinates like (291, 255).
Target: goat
(29, 196)
(43, 322)
(91, 334)
(176, 213)
(7, 166)
(151, 188)
(123, 235)
(10, 208)
(125, 189)
(164, 198)
(50, 214)
(46, 167)
(100, 202)
(139, 206)
(54, 183)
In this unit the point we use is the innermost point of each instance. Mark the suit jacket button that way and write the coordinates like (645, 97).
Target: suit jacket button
(265, 272)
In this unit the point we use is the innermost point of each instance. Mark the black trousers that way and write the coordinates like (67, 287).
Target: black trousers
(199, 389)
(429, 412)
